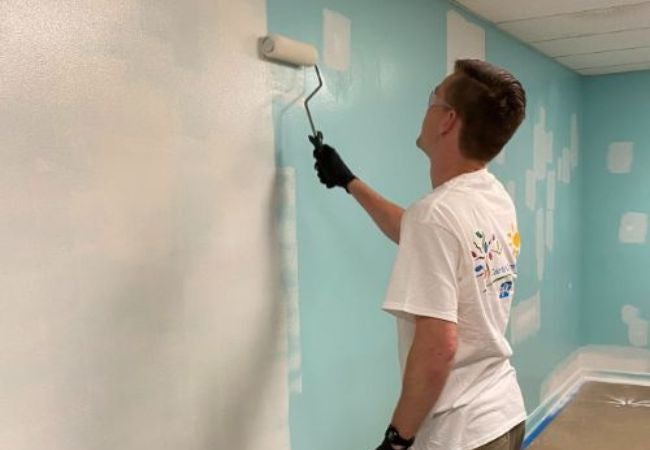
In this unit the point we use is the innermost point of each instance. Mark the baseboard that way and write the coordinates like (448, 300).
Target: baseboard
(623, 365)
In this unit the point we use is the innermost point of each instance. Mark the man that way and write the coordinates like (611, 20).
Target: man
(454, 276)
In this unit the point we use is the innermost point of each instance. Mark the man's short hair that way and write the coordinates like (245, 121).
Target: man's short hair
(491, 103)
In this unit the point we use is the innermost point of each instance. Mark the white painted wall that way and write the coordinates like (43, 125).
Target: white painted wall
(137, 305)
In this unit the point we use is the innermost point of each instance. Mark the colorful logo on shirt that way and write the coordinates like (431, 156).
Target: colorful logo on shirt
(505, 291)
(490, 263)
(483, 253)
(514, 239)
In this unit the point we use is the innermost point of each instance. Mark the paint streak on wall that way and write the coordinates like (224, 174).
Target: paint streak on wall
(288, 243)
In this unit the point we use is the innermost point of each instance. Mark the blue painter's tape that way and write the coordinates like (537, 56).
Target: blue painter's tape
(549, 418)
(539, 428)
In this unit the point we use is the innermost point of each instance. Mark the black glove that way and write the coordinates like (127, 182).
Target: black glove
(385, 446)
(329, 166)
(392, 437)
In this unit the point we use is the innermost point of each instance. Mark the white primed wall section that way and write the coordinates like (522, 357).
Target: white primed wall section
(464, 40)
(138, 306)
(336, 40)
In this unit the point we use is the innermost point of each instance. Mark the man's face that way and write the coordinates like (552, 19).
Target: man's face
(437, 111)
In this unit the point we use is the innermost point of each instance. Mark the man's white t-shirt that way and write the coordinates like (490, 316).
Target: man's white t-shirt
(457, 261)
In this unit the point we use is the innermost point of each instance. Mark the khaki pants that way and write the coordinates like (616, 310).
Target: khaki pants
(512, 440)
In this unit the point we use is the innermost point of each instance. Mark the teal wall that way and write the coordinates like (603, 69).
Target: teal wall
(617, 108)
(372, 115)
(558, 90)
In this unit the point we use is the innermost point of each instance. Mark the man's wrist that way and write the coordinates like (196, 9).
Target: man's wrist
(348, 186)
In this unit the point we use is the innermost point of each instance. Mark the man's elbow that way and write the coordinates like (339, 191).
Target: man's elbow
(445, 356)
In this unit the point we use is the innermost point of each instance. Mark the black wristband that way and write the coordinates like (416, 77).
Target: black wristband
(393, 437)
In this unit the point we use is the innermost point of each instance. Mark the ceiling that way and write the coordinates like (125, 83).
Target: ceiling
(592, 37)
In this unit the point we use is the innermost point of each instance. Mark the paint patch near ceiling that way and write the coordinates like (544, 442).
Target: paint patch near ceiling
(575, 142)
(542, 146)
(336, 40)
(464, 40)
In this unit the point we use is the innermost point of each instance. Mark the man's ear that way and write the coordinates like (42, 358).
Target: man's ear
(448, 122)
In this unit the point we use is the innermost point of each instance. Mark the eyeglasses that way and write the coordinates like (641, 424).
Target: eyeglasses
(435, 101)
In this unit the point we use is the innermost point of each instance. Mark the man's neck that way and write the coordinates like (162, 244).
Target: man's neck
(440, 174)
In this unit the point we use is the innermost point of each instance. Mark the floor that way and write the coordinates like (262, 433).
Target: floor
(602, 416)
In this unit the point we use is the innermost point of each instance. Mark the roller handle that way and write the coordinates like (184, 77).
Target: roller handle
(317, 134)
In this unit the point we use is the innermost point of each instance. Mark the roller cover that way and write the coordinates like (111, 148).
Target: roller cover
(283, 49)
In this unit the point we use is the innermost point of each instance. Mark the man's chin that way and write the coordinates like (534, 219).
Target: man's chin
(418, 142)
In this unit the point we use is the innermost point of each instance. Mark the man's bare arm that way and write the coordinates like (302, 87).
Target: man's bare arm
(385, 214)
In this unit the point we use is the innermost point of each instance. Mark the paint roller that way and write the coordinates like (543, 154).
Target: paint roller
(298, 54)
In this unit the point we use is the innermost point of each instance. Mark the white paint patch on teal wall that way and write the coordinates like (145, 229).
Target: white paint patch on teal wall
(336, 40)
(629, 313)
(539, 243)
(565, 166)
(531, 189)
(542, 145)
(464, 40)
(550, 190)
(633, 228)
(638, 332)
(525, 319)
(550, 229)
(575, 141)
(620, 156)
(637, 327)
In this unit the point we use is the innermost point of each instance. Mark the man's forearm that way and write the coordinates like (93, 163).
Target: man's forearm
(385, 214)
(420, 391)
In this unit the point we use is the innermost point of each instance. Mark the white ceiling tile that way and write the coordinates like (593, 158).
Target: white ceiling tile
(615, 69)
(497, 11)
(618, 40)
(589, 36)
(580, 24)
(611, 58)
